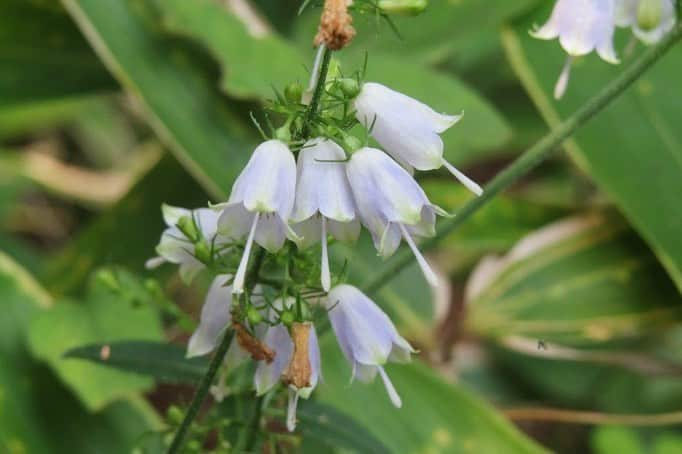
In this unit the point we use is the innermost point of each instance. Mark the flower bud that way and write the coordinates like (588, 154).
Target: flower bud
(351, 143)
(403, 7)
(283, 134)
(293, 92)
(253, 315)
(349, 87)
(649, 14)
(287, 317)
(202, 251)
(107, 278)
(189, 228)
(174, 415)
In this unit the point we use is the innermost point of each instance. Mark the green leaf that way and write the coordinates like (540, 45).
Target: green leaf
(164, 362)
(34, 42)
(173, 84)
(336, 429)
(639, 167)
(611, 439)
(104, 316)
(251, 64)
(37, 414)
(436, 416)
(581, 281)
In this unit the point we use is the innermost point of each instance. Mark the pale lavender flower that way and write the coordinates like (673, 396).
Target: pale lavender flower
(407, 129)
(175, 247)
(366, 336)
(269, 374)
(581, 26)
(391, 204)
(650, 20)
(324, 201)
(261, 202)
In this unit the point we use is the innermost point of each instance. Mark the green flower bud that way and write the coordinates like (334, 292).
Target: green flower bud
(202, 251)
(349, 87)
(189, 228)
(283, 134)
(351, 143)
(403, 7)
(107, 279)
(254, 315)
(193, 446)
(174, 415)
(649, 14)
(293, 92)
(287, 317)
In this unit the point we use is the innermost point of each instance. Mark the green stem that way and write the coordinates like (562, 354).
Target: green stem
(534, 156)
(247, 438)
(317, 94)
(205, 383)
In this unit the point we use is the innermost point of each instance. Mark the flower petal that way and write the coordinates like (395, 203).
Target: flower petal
(268, 375)
(215, 316)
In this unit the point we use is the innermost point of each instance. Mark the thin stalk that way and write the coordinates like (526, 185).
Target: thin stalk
(534, 156)
(205, 383)
(317, 94)
(247, 438)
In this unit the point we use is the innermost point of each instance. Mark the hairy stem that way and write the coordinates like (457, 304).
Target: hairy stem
(534, 156)
(205, 383)
(317, 94)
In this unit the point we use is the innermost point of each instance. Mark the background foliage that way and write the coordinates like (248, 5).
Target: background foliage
(564, 292)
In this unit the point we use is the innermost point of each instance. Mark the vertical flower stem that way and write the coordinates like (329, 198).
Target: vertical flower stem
(205, 383)
(247, 438)
(534, 156)
(317, 94)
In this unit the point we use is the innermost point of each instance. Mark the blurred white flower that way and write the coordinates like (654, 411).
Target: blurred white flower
(366, 336)
(261, 202)
(324, 201)
(650, 20)
(407, 129)
(391, 204)
(581, 26)
(175, 247)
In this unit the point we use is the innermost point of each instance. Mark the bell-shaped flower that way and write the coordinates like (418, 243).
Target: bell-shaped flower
(366, 336)
(175, 247)
(391, 204)
(407, 129)
(581, 26)
(296, 363)
(261, 202)
(650, 20)
(324, 201)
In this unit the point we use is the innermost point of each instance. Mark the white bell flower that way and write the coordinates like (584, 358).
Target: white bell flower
(650, 20)
(366, 336)
(324, 201)
(581, 26)
(261, 202)
(407, 129)
(392, 206)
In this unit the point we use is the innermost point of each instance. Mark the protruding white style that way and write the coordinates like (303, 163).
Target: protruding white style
(324, 201)
(407, 129)
(269, 374)
(582, 26)
(650, 20)
(260, 204)
(366, 336)
(391, 204)
(175, 247)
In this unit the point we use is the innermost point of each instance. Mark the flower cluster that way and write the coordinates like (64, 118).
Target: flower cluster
(310, 182)
(583, 26)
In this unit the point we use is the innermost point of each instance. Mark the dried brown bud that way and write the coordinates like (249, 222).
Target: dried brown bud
(336, 25)
(258, 350)
(299, 371)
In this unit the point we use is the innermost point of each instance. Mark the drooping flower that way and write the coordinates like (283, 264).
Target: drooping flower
(366, 336)
(407, 129)
(650, 20)
(301, 353)
(391, 204)
(581, 26)
(261, 202)
(324, 201)
(175, 247)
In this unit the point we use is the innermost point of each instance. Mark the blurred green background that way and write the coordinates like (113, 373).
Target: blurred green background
(561, 326)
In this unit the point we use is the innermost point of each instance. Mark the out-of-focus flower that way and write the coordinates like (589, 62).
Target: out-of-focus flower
(366, 336)
(324, 201)
(650, 20)
(391, 204)
(582, 26)
(408, 129)
(261, 202)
